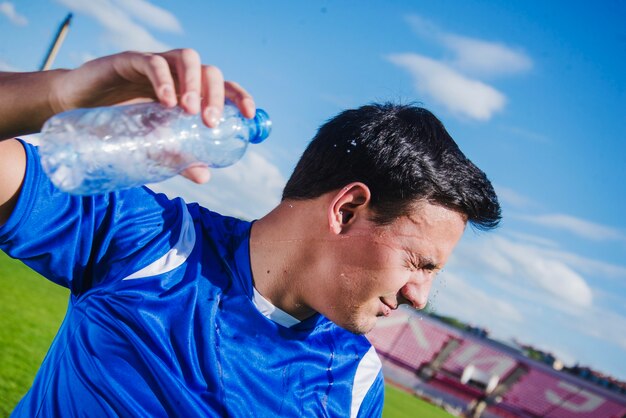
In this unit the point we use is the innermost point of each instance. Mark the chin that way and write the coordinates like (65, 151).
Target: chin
(359, 326)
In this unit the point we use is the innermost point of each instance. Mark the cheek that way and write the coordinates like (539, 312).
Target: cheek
(383, 261)
(362, 284)
(366, 268)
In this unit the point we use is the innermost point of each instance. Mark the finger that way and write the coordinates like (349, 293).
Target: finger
(157, 69)
(198, 174)
(212, 95)
(187, 64)
(238, 95)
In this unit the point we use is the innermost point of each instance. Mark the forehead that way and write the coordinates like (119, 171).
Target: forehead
(431, 215)
(429, 225)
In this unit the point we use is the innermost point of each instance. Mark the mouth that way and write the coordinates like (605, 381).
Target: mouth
(387, 306)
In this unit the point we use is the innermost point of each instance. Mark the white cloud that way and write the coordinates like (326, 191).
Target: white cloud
(121, 31)
(486, 58)
(526, 271)
(450, 88)
(532, 239)
(604, 325)
(151, 15)
(550, 274)
(454, 81)
(513, 198)
(8, 9)
(470, 55)
(587, 265)
(248, 189)
(575, 226)
(425, 28)
(461, 299)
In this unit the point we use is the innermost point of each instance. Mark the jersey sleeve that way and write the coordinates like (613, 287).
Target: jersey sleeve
(372, 405)
(82, 241)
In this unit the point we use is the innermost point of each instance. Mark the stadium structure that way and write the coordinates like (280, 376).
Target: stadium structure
(473, 376)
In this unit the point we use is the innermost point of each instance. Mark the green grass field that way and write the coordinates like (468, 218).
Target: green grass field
(31, 310)
(399, 404)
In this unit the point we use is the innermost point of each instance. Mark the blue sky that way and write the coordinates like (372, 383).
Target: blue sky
(534, 92)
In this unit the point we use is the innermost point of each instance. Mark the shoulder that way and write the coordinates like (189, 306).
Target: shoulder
(226, 232)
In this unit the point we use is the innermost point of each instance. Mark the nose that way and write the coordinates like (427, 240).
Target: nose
(415, 294)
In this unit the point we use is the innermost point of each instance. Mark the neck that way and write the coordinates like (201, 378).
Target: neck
(283, 253)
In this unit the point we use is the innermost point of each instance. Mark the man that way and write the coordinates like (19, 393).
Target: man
(179, 311)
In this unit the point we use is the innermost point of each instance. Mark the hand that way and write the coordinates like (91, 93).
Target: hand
(173, 77)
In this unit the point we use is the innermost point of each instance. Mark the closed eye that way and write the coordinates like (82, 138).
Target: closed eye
(415, 263)
(429, 265)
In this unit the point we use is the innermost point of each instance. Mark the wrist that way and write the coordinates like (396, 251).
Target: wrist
(28, 100)
(56, 92)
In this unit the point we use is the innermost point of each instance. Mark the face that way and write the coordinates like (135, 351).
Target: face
(373, 269)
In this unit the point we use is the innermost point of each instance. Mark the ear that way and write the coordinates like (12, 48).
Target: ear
(348, 203)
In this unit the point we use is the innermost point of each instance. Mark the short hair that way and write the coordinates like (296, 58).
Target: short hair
(404, 154)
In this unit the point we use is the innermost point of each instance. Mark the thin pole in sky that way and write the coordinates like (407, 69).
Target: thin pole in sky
(56, 44)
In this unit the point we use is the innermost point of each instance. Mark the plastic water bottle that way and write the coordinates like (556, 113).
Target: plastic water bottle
(96, 150)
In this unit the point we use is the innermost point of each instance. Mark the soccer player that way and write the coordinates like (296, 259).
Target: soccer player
(179, 311)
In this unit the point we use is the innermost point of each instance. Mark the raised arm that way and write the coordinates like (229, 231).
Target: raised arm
(27, 100)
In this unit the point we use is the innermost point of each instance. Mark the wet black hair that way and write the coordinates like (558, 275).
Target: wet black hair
(404, 154)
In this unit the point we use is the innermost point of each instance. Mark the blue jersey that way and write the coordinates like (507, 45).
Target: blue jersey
(161, 319)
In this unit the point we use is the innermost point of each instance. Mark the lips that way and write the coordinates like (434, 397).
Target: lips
(388, 305)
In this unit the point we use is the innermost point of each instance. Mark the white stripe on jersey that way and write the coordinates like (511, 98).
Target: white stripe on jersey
(272, 312)
(177, 255)
(365, 375)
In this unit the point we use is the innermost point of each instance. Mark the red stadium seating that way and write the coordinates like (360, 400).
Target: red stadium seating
(410, 344)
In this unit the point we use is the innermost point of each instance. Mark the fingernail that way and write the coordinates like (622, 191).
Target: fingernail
(192, 102)
(211, 116)
(167, 93)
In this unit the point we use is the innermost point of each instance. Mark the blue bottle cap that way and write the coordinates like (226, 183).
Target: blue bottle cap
(263, 126)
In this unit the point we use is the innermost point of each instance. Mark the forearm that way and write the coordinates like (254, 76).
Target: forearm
(27, 101)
